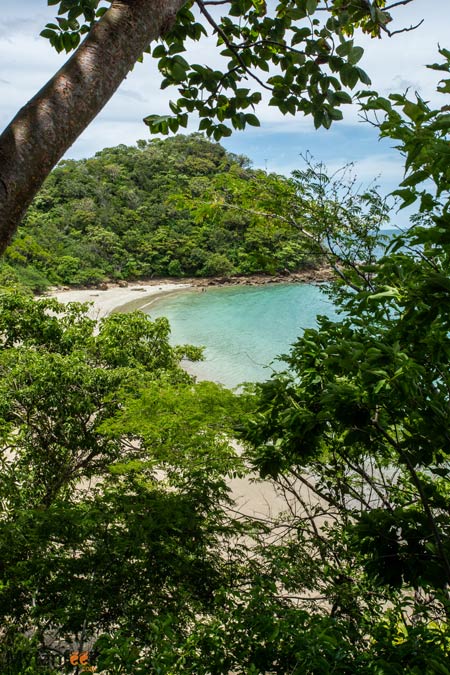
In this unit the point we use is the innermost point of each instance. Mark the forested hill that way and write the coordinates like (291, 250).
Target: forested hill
(164, 208)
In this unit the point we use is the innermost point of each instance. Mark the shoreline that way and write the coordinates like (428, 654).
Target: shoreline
(126, 296)
(115, 298)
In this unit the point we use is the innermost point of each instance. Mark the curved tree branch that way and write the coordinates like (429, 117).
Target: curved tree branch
(402, 30)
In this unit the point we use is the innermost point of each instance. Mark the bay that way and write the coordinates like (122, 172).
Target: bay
(243, 328)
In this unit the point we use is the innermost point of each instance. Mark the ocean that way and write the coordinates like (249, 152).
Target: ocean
(243, 328)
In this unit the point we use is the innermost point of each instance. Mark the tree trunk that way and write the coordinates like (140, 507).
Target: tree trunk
(49, 123)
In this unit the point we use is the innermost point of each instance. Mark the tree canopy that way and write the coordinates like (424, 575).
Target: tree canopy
(360, 416)
(107, 521)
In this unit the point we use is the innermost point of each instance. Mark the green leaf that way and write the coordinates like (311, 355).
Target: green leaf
(416, 177)
(300, 35)
(47, 33)
(355, 55)
(444, 87)
(178, 72)
(350, 76)
(408, 197)
(364, 78)
(159, 51)
(413, 110)
(343, 97)
(67, 41)
(252, 120)
(344, 48)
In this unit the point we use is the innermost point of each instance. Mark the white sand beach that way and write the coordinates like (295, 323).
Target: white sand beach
(118, 298)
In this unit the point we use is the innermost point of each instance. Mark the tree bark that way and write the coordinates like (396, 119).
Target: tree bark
(52, 120)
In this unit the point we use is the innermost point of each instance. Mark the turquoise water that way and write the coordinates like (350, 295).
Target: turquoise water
(242, 328)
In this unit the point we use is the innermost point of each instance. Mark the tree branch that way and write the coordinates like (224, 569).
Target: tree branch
(397, 4)
(369, 480)
(233, 48)
(402, 30)
(423, 497)
(274, 43)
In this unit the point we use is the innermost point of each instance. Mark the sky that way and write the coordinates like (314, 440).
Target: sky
(394, 64)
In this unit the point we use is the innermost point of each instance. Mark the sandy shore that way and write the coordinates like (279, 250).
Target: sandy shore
(114, 297)
(117, 298)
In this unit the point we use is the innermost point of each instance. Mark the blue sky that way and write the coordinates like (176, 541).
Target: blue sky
(393, 64)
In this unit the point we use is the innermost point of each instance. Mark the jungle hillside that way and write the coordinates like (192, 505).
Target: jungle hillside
(164, 208)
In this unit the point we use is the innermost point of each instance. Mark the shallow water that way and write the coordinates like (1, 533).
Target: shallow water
(242, 328)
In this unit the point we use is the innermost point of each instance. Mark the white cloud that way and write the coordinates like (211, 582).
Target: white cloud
(134, 95)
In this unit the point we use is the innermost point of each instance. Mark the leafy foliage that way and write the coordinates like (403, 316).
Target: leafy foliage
(116, 527)
(359, 421)
(325, 219)
(104, 529)
(301, 52)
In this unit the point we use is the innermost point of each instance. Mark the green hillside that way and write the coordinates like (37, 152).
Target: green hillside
(176, 207)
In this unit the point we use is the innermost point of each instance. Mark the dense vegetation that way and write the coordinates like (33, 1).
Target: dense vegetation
(357, 428)
(121, 550)
(133, 212)
(119, 540)
(92, 539)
